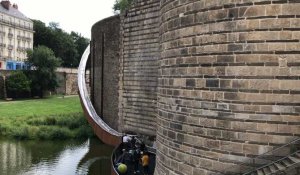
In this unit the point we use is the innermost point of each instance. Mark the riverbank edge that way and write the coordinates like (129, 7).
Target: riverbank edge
(50, 127)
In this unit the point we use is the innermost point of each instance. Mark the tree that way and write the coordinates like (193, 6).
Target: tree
(81, 44)
(18, 85)
(44, 63)
(122, 5)
(42, 35)
(66, 46)
(54, 25)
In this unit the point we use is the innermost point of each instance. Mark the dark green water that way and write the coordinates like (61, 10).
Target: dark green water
(54, 157)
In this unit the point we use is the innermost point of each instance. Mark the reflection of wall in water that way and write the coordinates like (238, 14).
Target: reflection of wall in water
(13, 157)
(97, 159)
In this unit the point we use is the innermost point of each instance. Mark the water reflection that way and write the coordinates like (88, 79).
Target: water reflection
(89, 157)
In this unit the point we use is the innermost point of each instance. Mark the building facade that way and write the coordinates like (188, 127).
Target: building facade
(16, 36)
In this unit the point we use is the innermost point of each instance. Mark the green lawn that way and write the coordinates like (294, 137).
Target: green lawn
(40, 107)
(49, 118)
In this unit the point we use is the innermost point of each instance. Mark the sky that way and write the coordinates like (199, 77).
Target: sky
(72, 15)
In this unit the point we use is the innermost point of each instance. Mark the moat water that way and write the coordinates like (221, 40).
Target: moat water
(86, 157)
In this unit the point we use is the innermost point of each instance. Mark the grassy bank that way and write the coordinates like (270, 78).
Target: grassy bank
(50, 118)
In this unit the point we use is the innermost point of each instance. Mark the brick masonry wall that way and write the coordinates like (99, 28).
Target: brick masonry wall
(138, 67)
(228, 83)
(105, 72)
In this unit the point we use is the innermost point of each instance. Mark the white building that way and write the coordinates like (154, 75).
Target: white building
(16, 36)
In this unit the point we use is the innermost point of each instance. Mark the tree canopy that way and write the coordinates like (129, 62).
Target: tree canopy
(44, 63)
(68, 47)
(122, 5)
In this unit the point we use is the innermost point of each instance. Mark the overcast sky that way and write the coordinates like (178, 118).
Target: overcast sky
(78, 16)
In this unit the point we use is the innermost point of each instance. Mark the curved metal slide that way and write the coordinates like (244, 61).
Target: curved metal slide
(102, 130)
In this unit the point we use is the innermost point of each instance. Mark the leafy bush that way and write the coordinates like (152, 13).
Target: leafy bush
(18, 85)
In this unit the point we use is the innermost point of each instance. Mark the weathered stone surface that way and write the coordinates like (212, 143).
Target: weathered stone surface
(239, 94)
(138, 68)
(105, 69)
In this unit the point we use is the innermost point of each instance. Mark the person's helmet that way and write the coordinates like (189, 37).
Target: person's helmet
(122, 168)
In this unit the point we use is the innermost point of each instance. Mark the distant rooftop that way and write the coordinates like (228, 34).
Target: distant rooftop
(12, 10)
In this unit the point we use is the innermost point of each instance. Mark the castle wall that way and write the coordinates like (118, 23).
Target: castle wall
(105, 69)
(228, 85)
(139, 67)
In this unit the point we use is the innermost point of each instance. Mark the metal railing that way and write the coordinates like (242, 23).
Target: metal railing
(263, 160)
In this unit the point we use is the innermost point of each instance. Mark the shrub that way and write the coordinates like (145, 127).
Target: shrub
(18, 85)
(84, 131)
(20, 133)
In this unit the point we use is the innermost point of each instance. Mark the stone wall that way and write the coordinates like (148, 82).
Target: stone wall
(228, 82)
(2, 90)
(139, 67)
(61, 77)
(105, 69)
(67, 80)
(3, 75)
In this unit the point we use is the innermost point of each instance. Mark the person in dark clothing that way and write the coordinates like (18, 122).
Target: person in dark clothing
(128, 162)
(124, 158)
(142, 146)
(126, 141)
(136, 159)
(132, 142)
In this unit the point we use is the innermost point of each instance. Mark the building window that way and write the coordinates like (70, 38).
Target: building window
(18, 66)
(9, 66)
(10, 34)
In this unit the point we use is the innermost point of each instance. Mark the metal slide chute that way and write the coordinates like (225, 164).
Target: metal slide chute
(101, 129)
